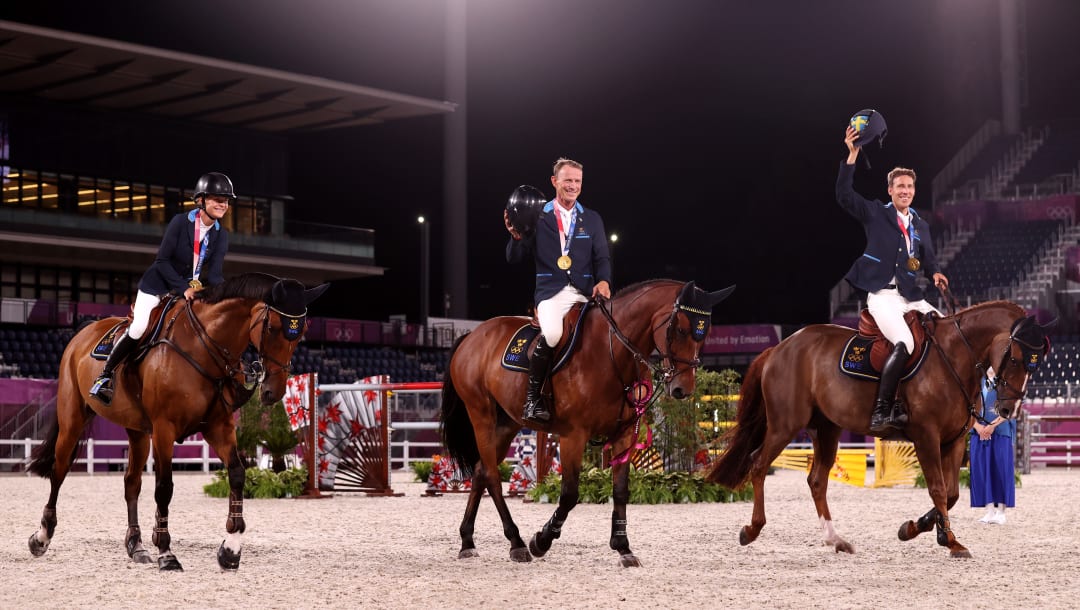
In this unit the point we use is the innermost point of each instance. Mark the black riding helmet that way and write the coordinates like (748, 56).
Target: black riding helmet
(871, 126)
(214, 183)
(524, 207)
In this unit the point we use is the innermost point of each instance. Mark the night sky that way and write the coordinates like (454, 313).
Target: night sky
(710, 130)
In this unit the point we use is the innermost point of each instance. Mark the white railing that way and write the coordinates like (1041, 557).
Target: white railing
(90, 461)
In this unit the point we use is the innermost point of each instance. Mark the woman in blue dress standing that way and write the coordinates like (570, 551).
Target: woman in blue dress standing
(993, 482)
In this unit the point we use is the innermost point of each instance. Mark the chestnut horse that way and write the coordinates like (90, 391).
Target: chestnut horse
(191, 379)
(798, 384)
(482, 401)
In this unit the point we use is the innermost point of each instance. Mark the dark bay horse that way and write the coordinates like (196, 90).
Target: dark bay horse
(191, 379)
(482, 401)
(798, 384)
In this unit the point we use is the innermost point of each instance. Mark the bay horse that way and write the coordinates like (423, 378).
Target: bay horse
(593, 393)
(797, 384)
(191, 379)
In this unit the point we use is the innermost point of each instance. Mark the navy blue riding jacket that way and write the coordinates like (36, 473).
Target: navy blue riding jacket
(172, 269)
(886, 252)
(591, 262)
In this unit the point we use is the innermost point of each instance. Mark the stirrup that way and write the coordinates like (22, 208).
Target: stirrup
(536, 413)
(102, 390)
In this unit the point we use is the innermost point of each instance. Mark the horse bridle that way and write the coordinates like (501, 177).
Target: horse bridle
(999, 382)
(668, 368)
(254, 372)
(256, 368)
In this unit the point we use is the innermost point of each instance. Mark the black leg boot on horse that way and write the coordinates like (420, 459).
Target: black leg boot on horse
(536, 412)
(889, 416)
(103, 386)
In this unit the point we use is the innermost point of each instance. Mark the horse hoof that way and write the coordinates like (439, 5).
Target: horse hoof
(960, 553)
(629, 561)
(907, 531)
(520, 555)
(467, 554)
(37, 549)
(534, 547)
(845, 546)
(744, 536)
(228, 560)
(169, 563)
(141, 557)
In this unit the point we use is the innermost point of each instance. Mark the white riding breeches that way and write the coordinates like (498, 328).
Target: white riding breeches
(550, 313)
(140, 317)
(888, 307)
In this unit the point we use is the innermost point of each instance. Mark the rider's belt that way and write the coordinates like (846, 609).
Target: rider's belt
(890, 287)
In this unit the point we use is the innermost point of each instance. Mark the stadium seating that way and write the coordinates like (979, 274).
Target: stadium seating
(997, 256)
(29, 352)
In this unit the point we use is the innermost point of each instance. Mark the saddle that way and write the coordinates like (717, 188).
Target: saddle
(864, 354)
(105, 344)
(516, 355)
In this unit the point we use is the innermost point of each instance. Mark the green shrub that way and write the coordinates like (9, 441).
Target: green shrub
(260, 483)
(268, 426)
(505, 470)
(646, 487)
(422, 470)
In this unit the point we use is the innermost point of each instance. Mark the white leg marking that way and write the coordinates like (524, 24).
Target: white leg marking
(828, 532)
(233, 541)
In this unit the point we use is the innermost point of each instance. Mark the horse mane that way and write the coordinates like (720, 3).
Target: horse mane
(245, 286)
(991, 305)
(634, 289)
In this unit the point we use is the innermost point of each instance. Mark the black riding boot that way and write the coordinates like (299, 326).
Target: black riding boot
(103, 386)
(888, 415)
(535, 410)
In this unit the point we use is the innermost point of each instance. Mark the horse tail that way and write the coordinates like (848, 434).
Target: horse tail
(43, 457)
(746, 437)
(455, 427)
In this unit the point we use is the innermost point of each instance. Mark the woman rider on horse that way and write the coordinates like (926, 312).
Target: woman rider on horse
(189, 258)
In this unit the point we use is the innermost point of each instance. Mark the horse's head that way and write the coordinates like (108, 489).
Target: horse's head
(1021, 351)
(283, 318)
(683, 336)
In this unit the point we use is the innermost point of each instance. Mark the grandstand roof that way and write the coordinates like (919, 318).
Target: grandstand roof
(66, 67)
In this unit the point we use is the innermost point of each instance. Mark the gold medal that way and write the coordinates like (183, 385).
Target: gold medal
(913, 264)
(564, 262)
(196, 284)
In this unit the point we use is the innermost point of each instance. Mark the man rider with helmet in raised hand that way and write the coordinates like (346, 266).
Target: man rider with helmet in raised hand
(569, 248)
(190, 257)
(898, 245)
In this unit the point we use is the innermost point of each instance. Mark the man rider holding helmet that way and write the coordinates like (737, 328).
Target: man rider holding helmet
(898, 246)
(190, 257)
(569, 248)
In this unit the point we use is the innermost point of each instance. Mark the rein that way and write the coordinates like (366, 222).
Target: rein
(665, 373)
(1000, 383)
(979, 368)
(640, 395)
(219, 354)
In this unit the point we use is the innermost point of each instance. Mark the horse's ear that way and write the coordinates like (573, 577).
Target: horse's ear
(313, 293)
(279, 293)
(720, 295)
(1051, 324)
(686, 294)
